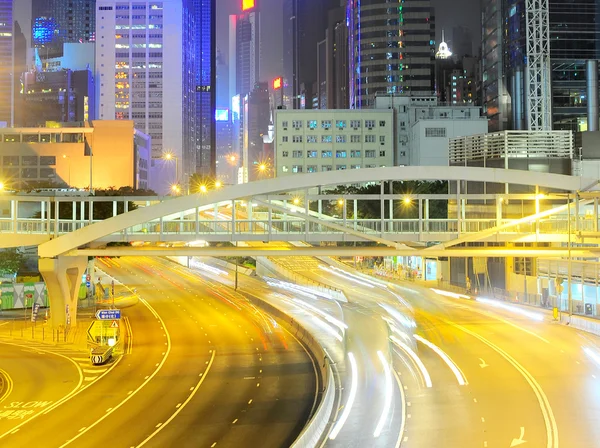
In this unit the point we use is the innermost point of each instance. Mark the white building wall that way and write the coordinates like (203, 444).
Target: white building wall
(429, 138)
(304, 144)
(172, 70)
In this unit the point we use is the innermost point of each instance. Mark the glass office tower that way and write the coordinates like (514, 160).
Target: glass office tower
(6, 61)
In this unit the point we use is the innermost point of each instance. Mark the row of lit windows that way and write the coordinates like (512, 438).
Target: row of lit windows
(329, 139)
(326, 124)
(314, 168)
(137, 64)
(150, 45)
(342, 154)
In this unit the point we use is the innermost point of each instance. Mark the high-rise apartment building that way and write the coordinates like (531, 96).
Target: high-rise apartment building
(146, 72)
(6, 62)
(392, 47)
(58, 21)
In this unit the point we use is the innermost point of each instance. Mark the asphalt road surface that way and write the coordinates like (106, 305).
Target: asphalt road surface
(204, 370)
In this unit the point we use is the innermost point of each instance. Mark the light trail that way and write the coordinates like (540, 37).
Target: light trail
(388, 394)
(328, 317)
(409, 351)
(513, 309)
(198, 265)
(593, 355)
(450, 294)
(346, 277)
(400, 318)
(353, 388)
(451, 364)
(358, 278)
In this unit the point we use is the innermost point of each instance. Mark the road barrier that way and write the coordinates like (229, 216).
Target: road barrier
(581, 323)
(100, 355)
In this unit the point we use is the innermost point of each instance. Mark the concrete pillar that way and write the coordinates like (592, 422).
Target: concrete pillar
(592, 95)
(63, 280)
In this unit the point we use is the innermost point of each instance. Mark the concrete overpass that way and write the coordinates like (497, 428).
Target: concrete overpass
(278, 210)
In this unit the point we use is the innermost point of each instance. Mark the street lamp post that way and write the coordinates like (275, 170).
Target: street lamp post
(171, 156)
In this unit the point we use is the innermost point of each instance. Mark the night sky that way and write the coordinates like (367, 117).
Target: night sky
(448, 13)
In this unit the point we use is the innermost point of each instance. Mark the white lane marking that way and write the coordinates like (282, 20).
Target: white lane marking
(71, 394)
(140, 387)
(460, 377)
(187, 400)
(234, 422)
(89, 378)
(94, 370)
(549, 420)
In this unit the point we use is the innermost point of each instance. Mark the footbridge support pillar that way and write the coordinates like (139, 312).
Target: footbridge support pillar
(63, 279)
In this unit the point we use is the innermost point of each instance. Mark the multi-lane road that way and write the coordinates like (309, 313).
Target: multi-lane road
(485, 377)
(203, 370)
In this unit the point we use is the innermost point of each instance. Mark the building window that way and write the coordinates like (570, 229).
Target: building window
(297, 139)
(284, 124)
(324, 154)
(47, 160)
(340, 124)
(354, 167)
(311, 168)
(355, 124)
(435, 132)
(382, 123)
(311, 154)
(29, 161)
(297, 124)
(340, 167)
(369, 139)
(326, 124)
(284, 139)
(326, 168)
(326, 139)
(381, 153)
(370, 124)
(341, 154)
(311, 139)
(340, 139)
(312, 124)
(285, 154)
(382, 139)
(284, 169)
(370, 153)
(296, 168)
(355, 153)
(297, 154)
(355, 139)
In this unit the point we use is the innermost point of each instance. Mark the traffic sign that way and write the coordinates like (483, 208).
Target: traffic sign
(88, 278)
(34, 312)
(108, 314)
(114, 324)
(88, 284)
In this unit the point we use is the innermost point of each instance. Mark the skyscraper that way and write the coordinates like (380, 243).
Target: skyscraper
(244, 48)
(145, 71)
(6, 62)
(304, 23)
(392, 48)
(574, 39)
(204, 42)
(58, 21)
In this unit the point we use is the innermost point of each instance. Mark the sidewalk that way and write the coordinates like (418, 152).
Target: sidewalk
(14, 327)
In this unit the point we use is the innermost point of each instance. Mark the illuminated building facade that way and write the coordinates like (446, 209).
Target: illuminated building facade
(204, 37)
(145, 72)
(244, 50)
(55, 22)
(6, 62)
(392, 47)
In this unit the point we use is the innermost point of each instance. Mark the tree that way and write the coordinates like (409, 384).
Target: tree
(11, 261)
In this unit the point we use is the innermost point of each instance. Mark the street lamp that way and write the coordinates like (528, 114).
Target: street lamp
(175, 188)
(67, 157)
(407, 200)
(218, 184)
(171, 156)
(203, 188)
(2, 186)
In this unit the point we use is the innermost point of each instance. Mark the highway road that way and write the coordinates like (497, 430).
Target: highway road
(526, 382)
(203, 371)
